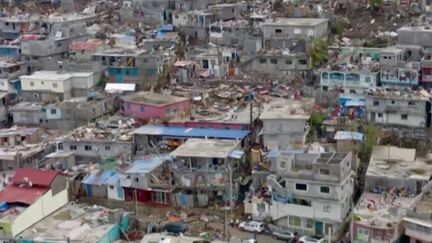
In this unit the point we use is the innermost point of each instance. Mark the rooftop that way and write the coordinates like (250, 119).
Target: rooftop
(25, 151)
(191, 132)
(213, 148)
(147, 165)
(379, 211)
(93, 132)
(79, 222)
(49, 75)
(394, 162)
(121, 52)
(88, 45)
(287, 109)
(26, 106)
(408, 94)
(7, 63)
(154, 99)
(295, 21)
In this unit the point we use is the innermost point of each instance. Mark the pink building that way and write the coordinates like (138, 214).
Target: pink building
(147, 105)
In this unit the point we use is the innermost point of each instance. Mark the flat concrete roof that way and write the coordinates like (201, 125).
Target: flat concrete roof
(295, 21)
(206, 148)
(280, 108)
(394, 162)
(155, 99)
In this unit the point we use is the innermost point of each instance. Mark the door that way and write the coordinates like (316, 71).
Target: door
(418, 187)
(372, 117)
(318, 228)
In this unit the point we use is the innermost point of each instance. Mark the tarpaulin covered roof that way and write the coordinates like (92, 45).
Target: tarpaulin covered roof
(191, 132)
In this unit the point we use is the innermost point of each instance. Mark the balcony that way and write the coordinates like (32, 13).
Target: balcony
(345, 79)
(201, 179)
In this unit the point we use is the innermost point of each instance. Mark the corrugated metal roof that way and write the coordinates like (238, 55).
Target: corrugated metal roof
(42, 178)
(191, 132)
(147, 165)
(89, 179)
(101, 180)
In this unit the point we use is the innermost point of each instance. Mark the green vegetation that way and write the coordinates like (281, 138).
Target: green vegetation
(315, 122)
(318, 52)
(102, 81)
(372, 134)
(376, 4)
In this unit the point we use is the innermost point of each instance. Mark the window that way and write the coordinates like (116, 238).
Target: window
(352, 91)
(411, 103)
(288, 61)
(59, 145)
(367, 79)
(141, 108)
(325, 189)
(261, 207)
(273, 61)
(136, 179)
(87, 147)
(31, 83)
(107, 148)
(55, 85)
(376, 103)
(327, 208)
(300, 187)
(263, 60)
(282, 164)
(295, 221)
(302, 62)
(309, 223)
(392, 102)
(380, 115)
(112, 187)
(159, 197)
(72, 147)
(53, 111)
(59, 44)
(324, 171)
(404, 117)
(278, 31)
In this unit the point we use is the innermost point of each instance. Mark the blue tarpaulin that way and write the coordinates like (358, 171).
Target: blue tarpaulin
(181, 132)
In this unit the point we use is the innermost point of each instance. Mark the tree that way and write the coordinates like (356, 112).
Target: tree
(372, 134)
(318, 52)
(375, 5)
(315, 122)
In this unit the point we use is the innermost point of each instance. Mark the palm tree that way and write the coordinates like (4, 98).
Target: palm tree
(318, 52)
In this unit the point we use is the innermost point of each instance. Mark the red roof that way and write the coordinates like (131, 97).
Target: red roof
(17, 194)
(40, 178)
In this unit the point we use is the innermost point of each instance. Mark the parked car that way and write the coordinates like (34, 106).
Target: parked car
(252, 226)
(176, 228)
(312, 239)
(283, 235)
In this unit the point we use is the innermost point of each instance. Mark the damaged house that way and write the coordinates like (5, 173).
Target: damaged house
(312, 193)
(204, 176)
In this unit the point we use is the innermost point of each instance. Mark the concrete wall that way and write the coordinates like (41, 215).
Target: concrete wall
(43, 207)
(57, 86)
(388, 111)
(104, 149)
(45, 96)
(115, 192)
(271, 64)
(295, 32)
(147, 112)
(283, 132)
(28, 117)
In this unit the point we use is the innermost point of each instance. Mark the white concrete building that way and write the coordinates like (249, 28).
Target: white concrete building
(51, 85)
(312, 193)
(399, 108)
(284, 122)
